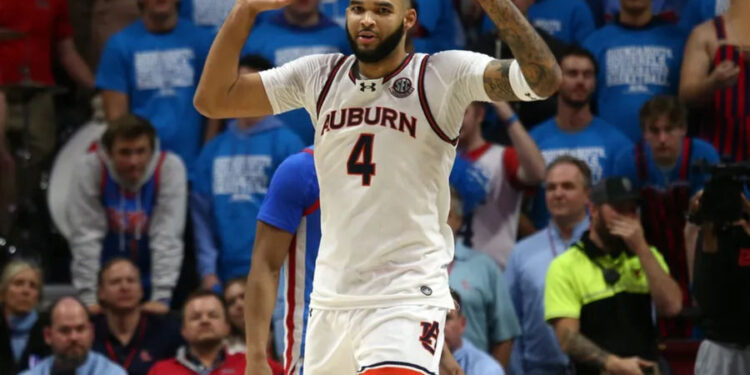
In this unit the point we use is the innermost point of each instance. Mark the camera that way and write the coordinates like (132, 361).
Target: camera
(721, 202)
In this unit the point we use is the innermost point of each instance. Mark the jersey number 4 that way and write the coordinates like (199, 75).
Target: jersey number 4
(360, 160)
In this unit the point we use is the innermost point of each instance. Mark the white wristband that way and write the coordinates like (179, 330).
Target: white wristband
(519, 85)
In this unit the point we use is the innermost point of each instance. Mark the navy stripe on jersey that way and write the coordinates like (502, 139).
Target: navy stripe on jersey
(426, 106)
(327, 86)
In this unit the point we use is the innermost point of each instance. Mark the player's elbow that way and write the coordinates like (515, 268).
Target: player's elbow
(550, 83)
(206, 105)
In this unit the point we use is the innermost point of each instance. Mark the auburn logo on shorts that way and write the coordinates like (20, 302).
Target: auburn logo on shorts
(429, 336)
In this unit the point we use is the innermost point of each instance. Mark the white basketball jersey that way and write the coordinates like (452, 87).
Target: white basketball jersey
(384, 149)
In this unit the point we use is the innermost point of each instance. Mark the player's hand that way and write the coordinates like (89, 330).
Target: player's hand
(263, 5)
(631, 231)
(626, 366)
(725, 74)
(155, 307)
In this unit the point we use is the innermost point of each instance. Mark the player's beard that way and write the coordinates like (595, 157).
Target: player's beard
(381, 51)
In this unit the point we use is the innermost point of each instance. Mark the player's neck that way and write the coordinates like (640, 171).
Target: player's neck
(633, 19)
(570, 118)
(123, 324)
(157, 23)
(301, 20)
(383, 67)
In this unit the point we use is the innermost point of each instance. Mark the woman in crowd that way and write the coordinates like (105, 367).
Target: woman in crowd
(21, 327)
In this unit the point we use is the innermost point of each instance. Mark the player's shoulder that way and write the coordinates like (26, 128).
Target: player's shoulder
(300, 164)
(452, 57)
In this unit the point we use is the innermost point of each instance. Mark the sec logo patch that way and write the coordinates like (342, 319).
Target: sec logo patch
(402, 88)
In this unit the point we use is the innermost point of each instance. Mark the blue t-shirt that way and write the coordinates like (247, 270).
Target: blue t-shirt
(571, 21)
(661, 179)
(669, 9)
(209, 14)
(634, 65)
(696, 12)
(159, 73)
(598, 145)
(280, 42)
(231, 180)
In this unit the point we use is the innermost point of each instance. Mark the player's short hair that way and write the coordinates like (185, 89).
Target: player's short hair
(112, 262)
(581, 165)
(664, 106)
(255, 62)
(128, 126)
(202, 293)
(579, 52)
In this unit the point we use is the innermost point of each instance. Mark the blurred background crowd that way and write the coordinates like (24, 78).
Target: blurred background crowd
(115, 190)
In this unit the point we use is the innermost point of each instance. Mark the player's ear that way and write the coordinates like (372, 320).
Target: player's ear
(410, 18)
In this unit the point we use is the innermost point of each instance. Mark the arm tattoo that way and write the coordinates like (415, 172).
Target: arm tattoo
(537, 62)
(581, 349)
(497, 84)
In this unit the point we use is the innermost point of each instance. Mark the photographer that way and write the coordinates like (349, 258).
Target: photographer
(722, 273)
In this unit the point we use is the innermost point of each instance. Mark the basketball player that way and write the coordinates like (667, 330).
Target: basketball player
(386, 126)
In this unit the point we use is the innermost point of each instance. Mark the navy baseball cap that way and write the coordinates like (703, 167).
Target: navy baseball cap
(613, 190)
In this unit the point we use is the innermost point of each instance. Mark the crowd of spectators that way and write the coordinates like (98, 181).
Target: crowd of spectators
(570, 214)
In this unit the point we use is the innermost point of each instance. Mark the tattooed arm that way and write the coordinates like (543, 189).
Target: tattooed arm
(537, 62)
(583, 350)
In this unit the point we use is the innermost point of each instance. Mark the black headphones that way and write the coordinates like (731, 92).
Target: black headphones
(611, 275)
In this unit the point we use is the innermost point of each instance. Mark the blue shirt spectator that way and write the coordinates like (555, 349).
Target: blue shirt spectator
(696, 12)
(490, 316)
(571, 21)
(231, 181)
(476, 362)
(95, 364)
(536, 351)
(159, 72)
(209, 14)
(280, 41)
(575, 130)
(669, 10)
(636, 63)
(438, 27)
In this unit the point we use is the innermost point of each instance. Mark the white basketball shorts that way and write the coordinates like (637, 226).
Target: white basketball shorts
(397, 340)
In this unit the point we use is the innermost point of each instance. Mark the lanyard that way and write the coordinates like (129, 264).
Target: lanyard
(133, 350)
(552, 246)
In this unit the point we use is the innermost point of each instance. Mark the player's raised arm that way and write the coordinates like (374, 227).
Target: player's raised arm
(541, 75)
(222, 92)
